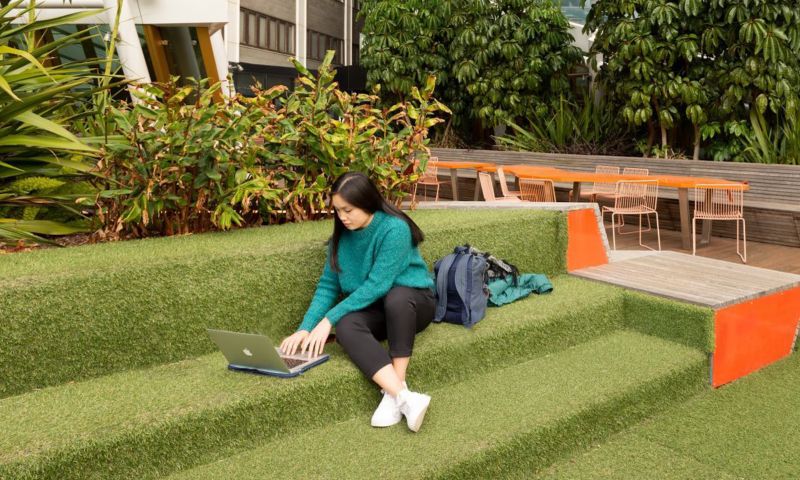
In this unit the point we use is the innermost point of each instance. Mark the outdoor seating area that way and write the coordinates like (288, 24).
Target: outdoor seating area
(633, 194)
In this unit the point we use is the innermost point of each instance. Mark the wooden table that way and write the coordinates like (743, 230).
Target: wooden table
(683, 184)
(454, 166)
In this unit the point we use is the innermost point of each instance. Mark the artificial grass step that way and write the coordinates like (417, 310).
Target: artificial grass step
(84, 312)
(145, 423)
(526, 413)
(748, 429)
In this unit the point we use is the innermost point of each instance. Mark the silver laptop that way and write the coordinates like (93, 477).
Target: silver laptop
(257, 354)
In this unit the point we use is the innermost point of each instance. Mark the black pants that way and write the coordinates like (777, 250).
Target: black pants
(398, 317)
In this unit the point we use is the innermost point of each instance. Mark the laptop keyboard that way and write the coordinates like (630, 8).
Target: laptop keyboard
(293, 362)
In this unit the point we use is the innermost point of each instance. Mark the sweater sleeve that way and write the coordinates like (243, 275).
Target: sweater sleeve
(324, 297)
(390, 260)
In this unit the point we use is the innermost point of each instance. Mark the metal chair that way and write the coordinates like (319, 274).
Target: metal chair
(429, 177)
(537, 190)
(487, 188)
(605, 189)
(635, 197)
(720, 202)
(635, 171)
(501, 177)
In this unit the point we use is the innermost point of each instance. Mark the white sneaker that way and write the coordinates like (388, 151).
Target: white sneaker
(388, 411)
(413, 405)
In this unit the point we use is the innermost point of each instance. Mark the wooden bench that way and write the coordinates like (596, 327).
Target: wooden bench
(755, 310)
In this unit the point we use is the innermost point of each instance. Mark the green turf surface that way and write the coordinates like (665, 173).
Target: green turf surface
(684, 323)
(83, 312)
(749, 429)
(633, 458)
(142, 423)
(475, 428)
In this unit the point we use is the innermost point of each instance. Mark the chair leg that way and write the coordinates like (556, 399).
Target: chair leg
(640, 231)
(613, 234)
(658, 231)
(743, 255)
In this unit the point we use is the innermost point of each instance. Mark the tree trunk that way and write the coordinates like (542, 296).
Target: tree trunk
(651, 136)
(663, 136)
(696, 155)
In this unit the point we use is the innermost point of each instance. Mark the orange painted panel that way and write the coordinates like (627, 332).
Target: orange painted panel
(584, 243)
(558, 175)
(753, 334)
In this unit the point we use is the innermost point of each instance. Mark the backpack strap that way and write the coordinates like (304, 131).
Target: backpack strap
(442, 267)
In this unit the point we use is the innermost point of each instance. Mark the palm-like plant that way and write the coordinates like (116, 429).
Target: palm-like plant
(37, 95)
(587, 128)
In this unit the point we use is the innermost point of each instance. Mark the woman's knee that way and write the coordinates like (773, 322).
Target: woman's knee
(346, 330)
(399, 298)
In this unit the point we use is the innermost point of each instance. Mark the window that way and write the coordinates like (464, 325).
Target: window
(251, 30)
(282, 37)
(273, 35)
(320, 43)
(262, 31)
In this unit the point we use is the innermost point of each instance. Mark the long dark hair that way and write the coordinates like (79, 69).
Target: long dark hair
(358, 190)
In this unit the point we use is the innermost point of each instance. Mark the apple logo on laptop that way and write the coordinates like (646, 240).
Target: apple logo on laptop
(247, 352)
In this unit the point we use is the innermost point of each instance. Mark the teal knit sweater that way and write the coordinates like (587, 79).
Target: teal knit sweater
(372, 261)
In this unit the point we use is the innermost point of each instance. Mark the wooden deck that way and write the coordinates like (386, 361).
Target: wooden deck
(698, 280)
(763, 255)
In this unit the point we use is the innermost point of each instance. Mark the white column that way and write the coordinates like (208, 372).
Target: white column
(300, 30)
(128, 48)
(232, 32)
(221, 59)
(347, 54)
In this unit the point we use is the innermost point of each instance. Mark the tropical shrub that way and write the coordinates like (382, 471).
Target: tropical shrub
(585, 128)
(204, 165)
(40, 158)
(780, 144)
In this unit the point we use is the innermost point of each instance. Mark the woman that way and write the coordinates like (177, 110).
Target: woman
(374, 261)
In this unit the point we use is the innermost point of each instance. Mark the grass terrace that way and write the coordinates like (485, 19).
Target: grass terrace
(127, 384)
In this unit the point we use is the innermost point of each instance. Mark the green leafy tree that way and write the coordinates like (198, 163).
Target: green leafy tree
(509, 57)
(403, 44)
(494, 61)
(669, 64)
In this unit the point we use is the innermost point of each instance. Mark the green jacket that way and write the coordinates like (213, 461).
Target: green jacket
(503, 291)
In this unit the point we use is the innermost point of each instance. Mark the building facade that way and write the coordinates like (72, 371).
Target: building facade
(270, 32)
(252, 40)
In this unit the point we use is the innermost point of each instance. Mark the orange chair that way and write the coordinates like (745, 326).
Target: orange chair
(429, 177)
(537, 190)
(635, 197)
(501, 176)
(720, 202)
(487, 188)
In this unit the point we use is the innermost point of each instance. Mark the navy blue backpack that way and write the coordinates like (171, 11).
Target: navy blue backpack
(461, 291)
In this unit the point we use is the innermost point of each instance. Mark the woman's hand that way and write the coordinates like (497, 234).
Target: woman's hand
(289, 344)
(315, 341)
